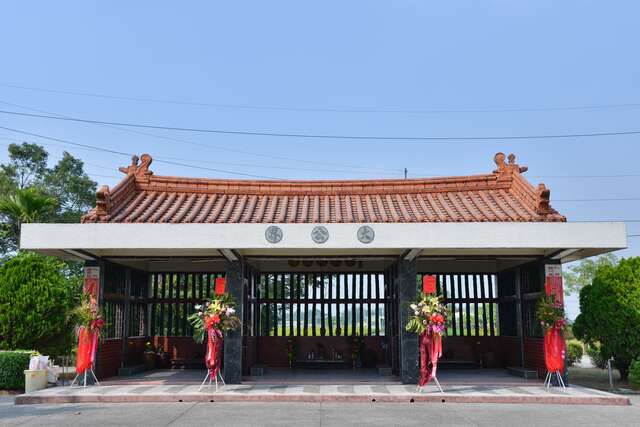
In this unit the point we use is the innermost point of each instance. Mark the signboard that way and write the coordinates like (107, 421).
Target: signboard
(553, 283)
(91, 283)
(429, 284)
(221, 283)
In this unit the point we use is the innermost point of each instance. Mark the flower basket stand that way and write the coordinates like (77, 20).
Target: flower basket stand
(435, 380)
(208, 377)
(84, 378)
(549, 377)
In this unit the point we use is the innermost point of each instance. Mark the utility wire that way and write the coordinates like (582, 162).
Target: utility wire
(264, 166)
(159, 160)
(212, 147)
(324, 110)
(239, 173)
(621, 199)
(327, 136)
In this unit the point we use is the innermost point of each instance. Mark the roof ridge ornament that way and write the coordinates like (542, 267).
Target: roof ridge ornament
(139, 170)
(506, 170)
(543, 197)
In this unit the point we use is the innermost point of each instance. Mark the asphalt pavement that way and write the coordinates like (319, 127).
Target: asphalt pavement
(316, 414)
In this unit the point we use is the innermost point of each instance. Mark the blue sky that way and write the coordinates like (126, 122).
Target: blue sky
(359, 55)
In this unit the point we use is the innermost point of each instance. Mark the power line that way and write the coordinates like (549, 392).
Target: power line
(325, 110)
(621, 199)
(327, 136)
(606, 220)
(210, 147)
(159, 160)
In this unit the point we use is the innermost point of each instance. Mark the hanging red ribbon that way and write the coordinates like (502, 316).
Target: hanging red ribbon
(213, 358)
(430, 352)
(88, 346)
(554, 350)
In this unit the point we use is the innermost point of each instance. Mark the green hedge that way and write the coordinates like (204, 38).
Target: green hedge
(634, 373)
(12, 367)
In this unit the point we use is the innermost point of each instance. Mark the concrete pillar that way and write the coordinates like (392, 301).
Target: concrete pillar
(408, 341)
(233, 340)
(519, 321)
(126, 319)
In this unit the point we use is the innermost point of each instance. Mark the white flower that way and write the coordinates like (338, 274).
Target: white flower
(417, 313)
(198, 306)
(230, 311)
(413, 306)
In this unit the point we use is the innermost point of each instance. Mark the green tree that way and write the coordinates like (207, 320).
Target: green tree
(66, 182)
(72, 187)
(581, 274)
(35, 305)
(22, 205)
(27, 164)
(610, 313)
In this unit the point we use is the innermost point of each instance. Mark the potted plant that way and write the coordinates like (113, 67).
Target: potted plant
(149, 356)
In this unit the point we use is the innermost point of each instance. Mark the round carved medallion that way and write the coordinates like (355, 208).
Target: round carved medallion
(320, 234)
(366, 234)
(273, 234)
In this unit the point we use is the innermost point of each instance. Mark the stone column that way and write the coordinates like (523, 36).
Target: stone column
(408, 341)
(233, 340)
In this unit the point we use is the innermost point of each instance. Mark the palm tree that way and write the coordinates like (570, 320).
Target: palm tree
(24, 205)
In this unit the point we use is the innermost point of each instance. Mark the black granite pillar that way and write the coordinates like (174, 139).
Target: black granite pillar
(407, 293)
(233, 339)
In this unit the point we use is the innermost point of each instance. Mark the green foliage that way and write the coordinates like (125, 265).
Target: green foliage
(12, 367)
(27, 164)
(579, 275)
(593, 351)
(36, 301)
(26, 173)
(574, 351)
(220, 310)
(71, 187)
(634, 373)
(610, 313)
(549, 314)
(424, 312)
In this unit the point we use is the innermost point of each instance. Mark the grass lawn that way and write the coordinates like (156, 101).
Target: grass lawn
(596, 378)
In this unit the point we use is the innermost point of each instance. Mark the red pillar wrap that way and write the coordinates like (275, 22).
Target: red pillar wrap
(554, 350)
(430, 351)
(213, 358)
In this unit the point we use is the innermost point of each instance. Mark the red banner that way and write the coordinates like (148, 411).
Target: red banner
(91, 283)
(221, 283)
(429, 284)
(553, 283)
(213, 358)
(430, 353)
(554, 350)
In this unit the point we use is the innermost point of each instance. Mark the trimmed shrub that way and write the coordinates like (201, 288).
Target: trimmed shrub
(12, 367)
(610, 313)
(596, 356)
(634, 373)
(574, 351)
(36, 301)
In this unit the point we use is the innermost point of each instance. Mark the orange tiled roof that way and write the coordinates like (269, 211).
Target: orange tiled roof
(501, 196)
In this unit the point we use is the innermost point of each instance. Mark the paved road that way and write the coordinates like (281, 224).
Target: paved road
(316, 414)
